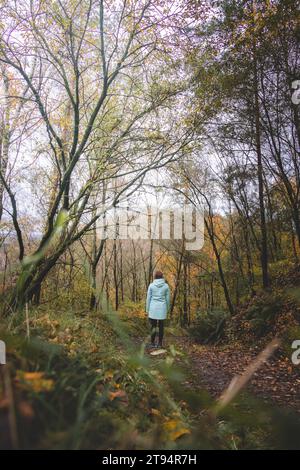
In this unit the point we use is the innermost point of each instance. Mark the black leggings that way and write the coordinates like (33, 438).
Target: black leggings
(154, 324)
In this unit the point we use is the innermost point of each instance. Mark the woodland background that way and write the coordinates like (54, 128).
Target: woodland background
(135, 101)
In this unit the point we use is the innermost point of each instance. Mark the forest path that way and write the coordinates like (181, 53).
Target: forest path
(213, 368)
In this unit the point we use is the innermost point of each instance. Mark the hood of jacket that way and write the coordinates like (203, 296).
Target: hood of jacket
(159, 282)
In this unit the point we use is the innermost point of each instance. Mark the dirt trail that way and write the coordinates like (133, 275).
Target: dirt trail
(278, 380)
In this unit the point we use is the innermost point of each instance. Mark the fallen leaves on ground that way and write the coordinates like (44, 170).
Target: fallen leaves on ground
(213, 367)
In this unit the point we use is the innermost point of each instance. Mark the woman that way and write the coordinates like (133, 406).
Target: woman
(157, 306)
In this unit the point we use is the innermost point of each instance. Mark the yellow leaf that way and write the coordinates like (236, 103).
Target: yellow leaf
(109, 374)
(175, 429)
(35, 381)
(32, 375)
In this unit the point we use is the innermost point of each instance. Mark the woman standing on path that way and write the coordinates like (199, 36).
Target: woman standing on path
(157, 306)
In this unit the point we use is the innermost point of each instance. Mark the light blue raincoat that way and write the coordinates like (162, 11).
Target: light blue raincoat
(158, 300)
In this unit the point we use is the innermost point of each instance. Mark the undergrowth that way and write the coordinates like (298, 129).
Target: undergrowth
(84, 381)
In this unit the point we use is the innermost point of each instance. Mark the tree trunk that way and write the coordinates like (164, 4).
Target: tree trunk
(211, 235)
(177, 281)
(263, 227)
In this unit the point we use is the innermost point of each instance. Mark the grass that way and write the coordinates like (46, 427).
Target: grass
(104, 392)
(83, 381)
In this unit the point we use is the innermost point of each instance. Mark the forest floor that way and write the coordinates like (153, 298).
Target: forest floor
(213, 368)
(79, 375)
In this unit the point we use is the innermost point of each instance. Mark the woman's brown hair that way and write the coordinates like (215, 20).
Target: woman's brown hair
(158, 275)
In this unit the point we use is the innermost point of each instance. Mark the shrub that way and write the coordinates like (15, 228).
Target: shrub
(209, 326)
(262, 313)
